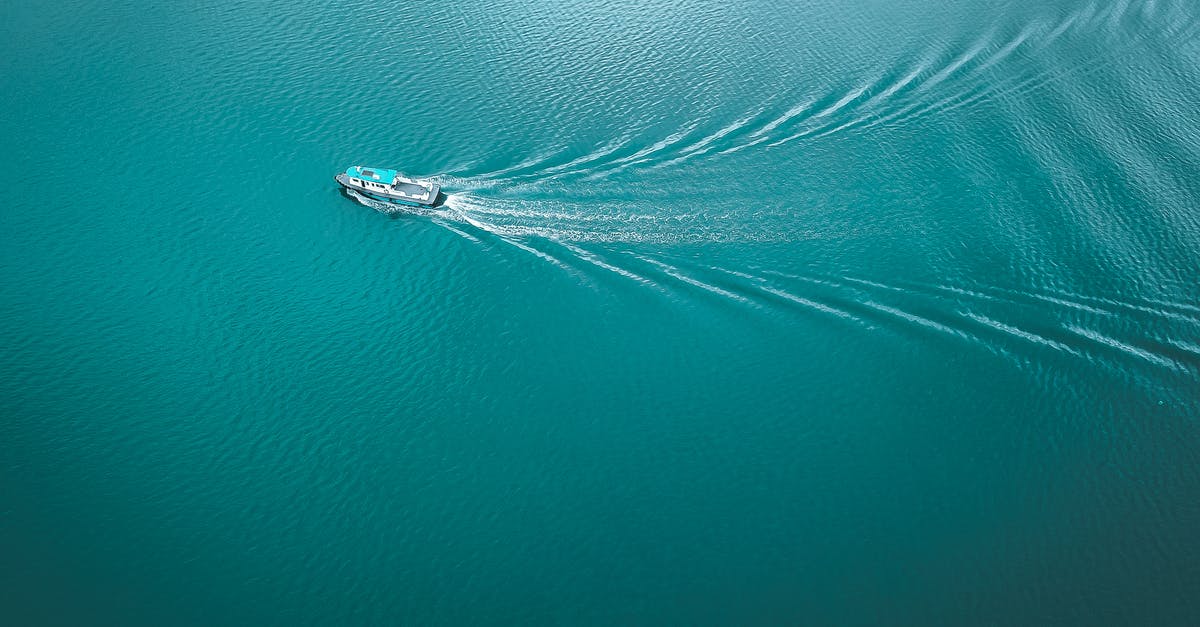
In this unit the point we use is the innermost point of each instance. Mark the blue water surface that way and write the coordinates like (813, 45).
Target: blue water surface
(753, 312)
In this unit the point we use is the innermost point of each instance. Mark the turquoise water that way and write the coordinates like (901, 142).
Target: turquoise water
(755, 312)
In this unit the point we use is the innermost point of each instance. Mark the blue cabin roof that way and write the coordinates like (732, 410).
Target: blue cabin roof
(379, 175)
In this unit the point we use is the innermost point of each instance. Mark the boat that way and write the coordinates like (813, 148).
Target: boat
(391, 186)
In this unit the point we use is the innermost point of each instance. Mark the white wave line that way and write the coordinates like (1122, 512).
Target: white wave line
(809, 129)
(908, 78)
(1009, 295)
(705, 145)
(797, 277)
(789, 114)
(608, 149)
(483, 226)
(1061, 28)
(1183, 306)
(1090, 12)
(1123, 347)
(923, 66)
(760, 284)
(847, 99)
(956, 64)
(744, 146)
(544, 256)
(789, 138)
(533, 251)
(676, 273)
(524, 164)
(964, 292)
(1070, 304)
(737, 273)
(656, 146)
(873, 284)
(594, 260)
(1187, 347)
(1006, 50)
(1011, 330)
(1117, 12)
(464, 234)
(806, 302)
(530, 213)
(925, 322)
(1116, 303)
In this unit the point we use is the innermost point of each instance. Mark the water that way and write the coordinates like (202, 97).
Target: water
(751, 312)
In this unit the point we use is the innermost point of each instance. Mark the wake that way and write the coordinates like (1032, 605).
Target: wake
(1005, 62)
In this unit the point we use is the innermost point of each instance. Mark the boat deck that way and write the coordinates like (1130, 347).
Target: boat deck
(411, 190)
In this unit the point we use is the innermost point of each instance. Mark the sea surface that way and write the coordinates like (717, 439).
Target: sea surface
(853, 312)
